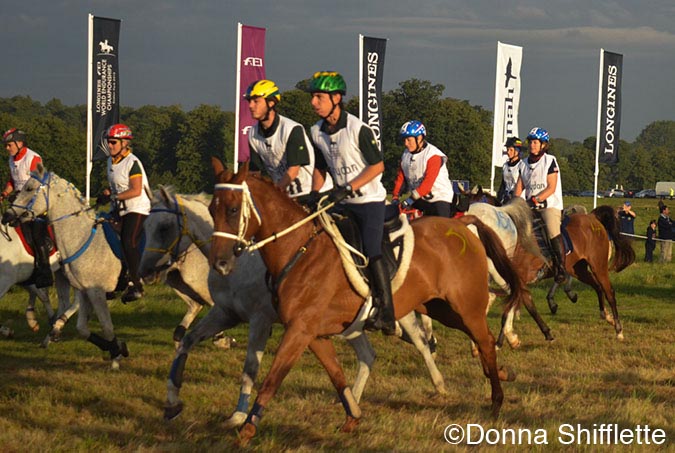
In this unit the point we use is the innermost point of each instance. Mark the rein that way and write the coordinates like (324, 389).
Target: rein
(182, 221)
(247, 207)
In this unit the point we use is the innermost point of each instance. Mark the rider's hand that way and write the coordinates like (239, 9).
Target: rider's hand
(313, 200)
(340, 193)
(532, 203)
(103, 199)
(407, 203)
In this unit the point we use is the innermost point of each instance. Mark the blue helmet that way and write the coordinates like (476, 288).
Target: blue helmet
(413, 128)
(538, 134)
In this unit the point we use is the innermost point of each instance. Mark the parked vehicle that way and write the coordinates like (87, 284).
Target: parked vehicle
(646, 193)
(589, 193)
(614, 193)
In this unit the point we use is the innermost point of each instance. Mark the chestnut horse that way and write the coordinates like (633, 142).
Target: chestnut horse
(589, 261)
(447, 280)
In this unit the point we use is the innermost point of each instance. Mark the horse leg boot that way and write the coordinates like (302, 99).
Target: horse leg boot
(386, 321)
(559, 258)
(42, 247)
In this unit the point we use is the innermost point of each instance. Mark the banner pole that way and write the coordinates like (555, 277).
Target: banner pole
(597, 134)
(494, 123)
(237, 100)
(360, 76)
(90, 63)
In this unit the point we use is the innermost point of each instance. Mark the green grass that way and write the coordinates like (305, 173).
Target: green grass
(67, 399)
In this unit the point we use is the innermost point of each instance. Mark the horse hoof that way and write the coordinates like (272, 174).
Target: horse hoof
(515, 343)
(6, 332)
(246, 433)
(553, 308)
(235, 421)
(115, 365)
(506, 374)
(171, 412)
(349, 425)
(619, 336)
(574, 298)
(224, 342)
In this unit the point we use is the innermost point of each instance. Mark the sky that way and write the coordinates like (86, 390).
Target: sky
(178, 52)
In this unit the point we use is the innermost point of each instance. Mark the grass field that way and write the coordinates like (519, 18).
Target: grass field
(67, 399)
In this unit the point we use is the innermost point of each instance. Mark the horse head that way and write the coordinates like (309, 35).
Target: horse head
(231, 208)
(32, 201)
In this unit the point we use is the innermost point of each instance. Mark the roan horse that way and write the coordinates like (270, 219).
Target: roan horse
(16, 266)
(447, 279)
(180, 228)
(589, 260)
(86, 258)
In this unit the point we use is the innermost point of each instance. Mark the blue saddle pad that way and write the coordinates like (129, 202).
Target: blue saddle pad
(113, 238)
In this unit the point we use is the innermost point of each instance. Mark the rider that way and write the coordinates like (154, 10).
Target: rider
(131, 200)
(22, 161)
(511, 169)
(424, 172)
(349, 151)
(280, 145)
(539, 180)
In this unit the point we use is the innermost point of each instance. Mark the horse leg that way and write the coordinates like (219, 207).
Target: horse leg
(366, 356)
(410, 325)
(507, 332)
(571, 295)
(324, 350)
(187, 295)
(117, 348)
(294, 341)
(552, 305)
(259, 332)
(603, 287)
(65, 310)
(31, 318)
(532, 310)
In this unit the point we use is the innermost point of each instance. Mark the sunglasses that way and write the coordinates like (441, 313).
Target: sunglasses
(113, 142)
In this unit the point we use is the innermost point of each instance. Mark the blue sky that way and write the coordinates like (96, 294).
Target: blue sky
(178, 52)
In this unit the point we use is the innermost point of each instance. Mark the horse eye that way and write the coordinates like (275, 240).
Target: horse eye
(233, 210)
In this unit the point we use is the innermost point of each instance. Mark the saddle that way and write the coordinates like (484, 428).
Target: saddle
(112, 230)
(544, 242)
(27, 240)
(398, 242)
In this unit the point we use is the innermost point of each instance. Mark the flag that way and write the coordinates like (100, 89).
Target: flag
(250, 67)
(371, 72)
(609, 107)
(507, 99)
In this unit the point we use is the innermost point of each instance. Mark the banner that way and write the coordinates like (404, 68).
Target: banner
(104, 77)
(609, 107)
(250, 67)
(371, 73)
(507, 99)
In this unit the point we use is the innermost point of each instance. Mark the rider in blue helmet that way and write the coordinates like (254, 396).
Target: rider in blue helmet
(425, 174)
(541, 184)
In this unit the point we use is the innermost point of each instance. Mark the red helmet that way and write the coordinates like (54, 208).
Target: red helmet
(120, 131)
(14, 135)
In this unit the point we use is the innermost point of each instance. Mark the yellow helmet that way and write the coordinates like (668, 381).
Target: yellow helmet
(264, 89)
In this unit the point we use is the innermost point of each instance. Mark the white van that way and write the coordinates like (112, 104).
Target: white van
(663, 188)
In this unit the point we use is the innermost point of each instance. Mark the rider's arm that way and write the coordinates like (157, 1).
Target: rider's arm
(398, 184)
(519, 187)
(430, 174)
(320, 167)
(297, 155)
(551, 183)
(135, 183)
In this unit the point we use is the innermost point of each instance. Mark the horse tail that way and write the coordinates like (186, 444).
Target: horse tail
(521, 215)
(624, 255)
(496, 252)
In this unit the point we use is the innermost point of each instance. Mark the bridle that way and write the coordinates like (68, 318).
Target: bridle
(44, 189)
(183, 230)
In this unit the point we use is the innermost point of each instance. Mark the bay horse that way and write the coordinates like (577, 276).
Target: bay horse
(590, 261)
(447, 279)
(178, 234)
(87, 260)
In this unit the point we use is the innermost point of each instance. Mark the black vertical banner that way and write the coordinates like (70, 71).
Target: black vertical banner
(610, 108)
(105, 81)
(371, 84)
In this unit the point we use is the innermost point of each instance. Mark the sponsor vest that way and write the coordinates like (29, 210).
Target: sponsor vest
(118, 176)
(534, 180)
(414, 168)
(272, 151)
(345, 160)
(19, 170)
(510, 175)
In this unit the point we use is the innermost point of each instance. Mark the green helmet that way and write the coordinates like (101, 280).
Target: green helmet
(327, 82)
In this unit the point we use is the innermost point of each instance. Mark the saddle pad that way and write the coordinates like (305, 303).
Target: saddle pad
(29, 247)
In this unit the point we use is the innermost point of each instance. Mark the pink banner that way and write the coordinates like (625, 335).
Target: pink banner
(252, 68)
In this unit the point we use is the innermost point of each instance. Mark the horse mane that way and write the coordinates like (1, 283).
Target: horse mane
(521, 214)
(624, 255)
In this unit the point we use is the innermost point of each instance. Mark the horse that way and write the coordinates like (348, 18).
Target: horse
(16, 267)
(179, 229)
(87, 260)
(172, 253)
(447, 279)
(589, 261)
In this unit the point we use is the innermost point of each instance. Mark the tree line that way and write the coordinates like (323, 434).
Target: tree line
(175, 146)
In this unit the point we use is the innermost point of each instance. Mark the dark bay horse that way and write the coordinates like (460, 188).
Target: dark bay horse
(589, 261)
(447, 280)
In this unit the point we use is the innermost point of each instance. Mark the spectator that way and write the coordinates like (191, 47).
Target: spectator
(650, 243)
(665, 225)
(627, 218)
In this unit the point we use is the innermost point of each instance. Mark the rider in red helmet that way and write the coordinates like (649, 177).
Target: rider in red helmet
(22, 161)
(130, 196)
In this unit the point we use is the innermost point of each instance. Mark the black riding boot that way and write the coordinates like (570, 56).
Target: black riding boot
(381, 286)
(41, 248)
(558, 249)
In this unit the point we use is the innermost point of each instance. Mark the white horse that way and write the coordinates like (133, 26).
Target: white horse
(16, 266)
(172, 253)
(242, 296)
(86, 258)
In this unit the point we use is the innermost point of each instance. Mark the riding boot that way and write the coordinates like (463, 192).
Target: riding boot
(558, 249)
(381, 286)
(42, 248)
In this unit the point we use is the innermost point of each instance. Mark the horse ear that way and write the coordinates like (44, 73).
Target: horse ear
(242, 173)
(219, 170)
(164, 194)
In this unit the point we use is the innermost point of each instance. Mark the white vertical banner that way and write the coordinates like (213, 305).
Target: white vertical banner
(507, 101)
